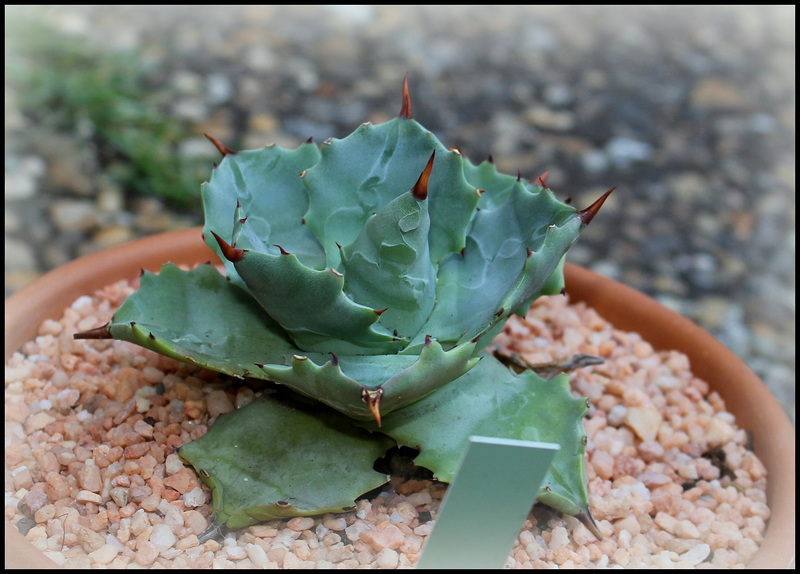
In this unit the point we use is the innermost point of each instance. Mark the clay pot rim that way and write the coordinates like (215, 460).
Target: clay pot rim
(774, 434)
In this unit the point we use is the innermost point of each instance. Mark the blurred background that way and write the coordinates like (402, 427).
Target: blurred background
(689, 111)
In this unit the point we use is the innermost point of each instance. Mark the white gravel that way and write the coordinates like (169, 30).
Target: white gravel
(91, 468)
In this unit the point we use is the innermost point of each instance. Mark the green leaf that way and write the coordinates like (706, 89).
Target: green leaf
(402, 379)
(512, 249)
(200, 318)
(312, 307)
(358, 175)
(266, 184)
(492, 401)
(389, 267)
(278, 457)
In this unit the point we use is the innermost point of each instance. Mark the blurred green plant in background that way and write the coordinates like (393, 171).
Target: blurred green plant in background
(108, 100)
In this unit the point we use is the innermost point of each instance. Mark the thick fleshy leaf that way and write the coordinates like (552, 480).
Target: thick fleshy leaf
(553, 286)
(199, 317)
(401, 379)
(312, 307)
(358, 175)
(492, 401)
(389, 267)
(512, 250)
(279, 457)
(495, 186)
(271, 199)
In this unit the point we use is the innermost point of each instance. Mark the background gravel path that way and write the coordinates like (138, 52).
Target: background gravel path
(688, 111)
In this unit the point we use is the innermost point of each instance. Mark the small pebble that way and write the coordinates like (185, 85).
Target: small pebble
(105, 554)
(696, 554)
(162, 536)
(195, 497)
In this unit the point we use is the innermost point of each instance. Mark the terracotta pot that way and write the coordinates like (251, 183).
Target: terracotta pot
(745, 395)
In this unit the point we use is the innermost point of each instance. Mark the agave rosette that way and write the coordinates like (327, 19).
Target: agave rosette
(369, 273)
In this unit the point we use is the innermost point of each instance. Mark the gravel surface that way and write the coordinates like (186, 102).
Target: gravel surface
(94, 480)
(688, 111)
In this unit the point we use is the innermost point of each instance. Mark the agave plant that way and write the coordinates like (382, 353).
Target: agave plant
(366, 275)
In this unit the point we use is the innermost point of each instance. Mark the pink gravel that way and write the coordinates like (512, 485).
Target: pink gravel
(93, 479)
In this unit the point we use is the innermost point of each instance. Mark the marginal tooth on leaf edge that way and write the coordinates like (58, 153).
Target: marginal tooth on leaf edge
(405, 110)
(542, 179)
(587, 520)
(380, 312)
(588, 214)
(231, 253)
(334, 358)
(283, 251)
(102, 332)
(420, 189)
(372, 398)
(224, 150)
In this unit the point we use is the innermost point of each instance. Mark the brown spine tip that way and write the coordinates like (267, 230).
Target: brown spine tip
(519, 175)
(588, 214)
(542, 179)
(500, 311)
(372, 398)
(231, 253)
(490, 159)
(223, 149)
(586, 518)
(405, 111)
(283, 251)
(420, 189)
(380, 312)
(334, 358)
(102, 332)
(528, 252)
(427, 340)
(310, 139)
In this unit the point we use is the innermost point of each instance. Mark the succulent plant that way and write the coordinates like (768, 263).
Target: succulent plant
(366, 275)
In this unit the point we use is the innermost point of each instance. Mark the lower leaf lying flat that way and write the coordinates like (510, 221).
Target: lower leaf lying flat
(279, 457)
(490, 400)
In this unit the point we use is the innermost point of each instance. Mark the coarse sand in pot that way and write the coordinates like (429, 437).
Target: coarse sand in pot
(93, 479)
